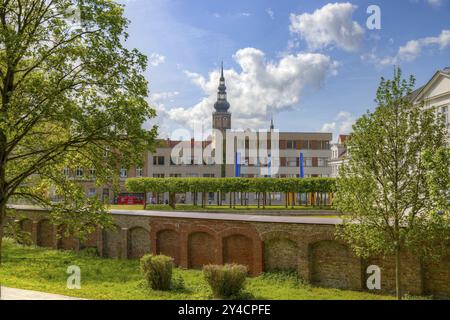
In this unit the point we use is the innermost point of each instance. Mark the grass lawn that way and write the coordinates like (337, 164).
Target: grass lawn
(45, 270)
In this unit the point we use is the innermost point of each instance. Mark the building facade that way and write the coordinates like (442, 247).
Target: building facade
(338, 154)
(435, 94)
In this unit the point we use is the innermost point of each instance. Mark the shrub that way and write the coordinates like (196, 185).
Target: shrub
(225, 281)
(157, 270)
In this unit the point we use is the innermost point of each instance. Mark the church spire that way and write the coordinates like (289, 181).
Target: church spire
(222, 104)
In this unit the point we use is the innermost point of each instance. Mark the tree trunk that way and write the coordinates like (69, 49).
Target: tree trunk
(264, 200)
(172, 200)
(398, 282)
(293, 199)
(145, 199)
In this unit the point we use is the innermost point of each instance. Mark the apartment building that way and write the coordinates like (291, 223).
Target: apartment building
(108, 193)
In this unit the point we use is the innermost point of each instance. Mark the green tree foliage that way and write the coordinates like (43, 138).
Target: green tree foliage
(230, 185)
(71, 95)
(181, 185)
(395, 186)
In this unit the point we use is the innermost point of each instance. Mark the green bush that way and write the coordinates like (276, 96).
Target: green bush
(182, 185)
(225, 281)
(157, 270)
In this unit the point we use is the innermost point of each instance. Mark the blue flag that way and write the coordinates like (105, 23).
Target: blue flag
(302, 175)
(237, 166)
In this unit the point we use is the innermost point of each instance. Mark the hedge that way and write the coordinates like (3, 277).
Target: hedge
(182, 185)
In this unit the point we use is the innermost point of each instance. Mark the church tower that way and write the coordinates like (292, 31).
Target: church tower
(221, 117)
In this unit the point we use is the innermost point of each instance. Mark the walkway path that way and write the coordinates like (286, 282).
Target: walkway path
(20, 294)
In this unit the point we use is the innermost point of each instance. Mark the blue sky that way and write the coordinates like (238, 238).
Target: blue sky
(312, 65)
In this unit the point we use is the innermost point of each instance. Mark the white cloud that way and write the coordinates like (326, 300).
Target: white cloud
(342, 124)
(155, 59)
(411, 50)
(331, 25)
(260, 88)
(271, 13)
(162, 96)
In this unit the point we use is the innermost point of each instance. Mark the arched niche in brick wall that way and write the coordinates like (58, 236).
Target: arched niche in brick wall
(138, 242)
(168, 243)
(112, 242)
(280, 254)
(330, 264)
(91, 240)
(26, 225)
(201, 249)
(65, 240)
(45, 233)
(437, 278)
(238, 248)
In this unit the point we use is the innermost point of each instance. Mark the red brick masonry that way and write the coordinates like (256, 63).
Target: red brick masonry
(263, 243)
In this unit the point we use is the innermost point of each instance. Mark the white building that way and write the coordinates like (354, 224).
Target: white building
(436, 93)
(338, 155)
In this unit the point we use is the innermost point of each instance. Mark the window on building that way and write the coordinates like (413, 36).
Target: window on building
(139, 172)
(175, 175)
(66, 171)
(307, 162)
(304, 144)
(123, 172)
(92, 172)
(322, 162)
(326, 145)
(158, 175)
(79, 172)
(291, 161)
(208, 175)
(443, 112)
(92, 192)
(291, 144)
(158, 160)
(314, 145)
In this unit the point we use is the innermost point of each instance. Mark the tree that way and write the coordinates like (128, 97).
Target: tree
(395, 186)
(71, 95)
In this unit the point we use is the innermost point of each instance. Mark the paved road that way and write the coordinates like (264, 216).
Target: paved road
(19, 294)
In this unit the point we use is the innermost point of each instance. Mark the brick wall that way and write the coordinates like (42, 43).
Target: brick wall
(309, 248)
